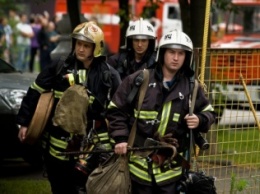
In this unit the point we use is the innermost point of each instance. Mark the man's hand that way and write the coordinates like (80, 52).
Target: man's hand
(192, 121)
(22, 133)
(121, 148)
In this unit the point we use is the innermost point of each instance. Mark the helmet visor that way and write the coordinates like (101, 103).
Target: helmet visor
(177, 46)
(141, 37)
(81, 37)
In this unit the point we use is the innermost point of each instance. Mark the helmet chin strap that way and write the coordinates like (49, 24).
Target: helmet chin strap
(88, 61)
(89, 58)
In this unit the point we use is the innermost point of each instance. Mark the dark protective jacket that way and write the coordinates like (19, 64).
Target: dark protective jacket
(124, 62)
(163, 110)
(101, 80)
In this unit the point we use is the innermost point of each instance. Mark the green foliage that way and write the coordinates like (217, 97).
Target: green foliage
(24, 186)
(8, 4)
(152, 7)
(225, 5)
(237, 185)
(237, 145)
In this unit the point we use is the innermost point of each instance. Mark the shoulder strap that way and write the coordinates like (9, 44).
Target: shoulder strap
(142, 92)
(138, 81)
(194, 96)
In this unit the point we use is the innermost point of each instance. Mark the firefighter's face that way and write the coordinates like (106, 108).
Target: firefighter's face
(173, 59)
(84, 50)
(140, 45)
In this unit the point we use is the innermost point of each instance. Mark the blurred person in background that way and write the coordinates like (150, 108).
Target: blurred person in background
(43, 42)
(53, 37)
(8, 39)
(36, 27)
(25, 33)
(2, 38)
(13, 19)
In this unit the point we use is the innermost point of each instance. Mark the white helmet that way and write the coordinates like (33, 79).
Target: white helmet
(175, 39)
(90, 32)
(140, 29)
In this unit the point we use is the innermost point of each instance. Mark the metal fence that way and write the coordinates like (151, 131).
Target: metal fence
(231, 79)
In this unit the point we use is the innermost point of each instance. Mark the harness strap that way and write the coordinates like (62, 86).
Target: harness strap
(138, 81)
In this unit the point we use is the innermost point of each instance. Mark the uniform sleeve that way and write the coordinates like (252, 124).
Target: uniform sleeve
(116, 80)
(204, 110)
(43, 82)
(113, 60)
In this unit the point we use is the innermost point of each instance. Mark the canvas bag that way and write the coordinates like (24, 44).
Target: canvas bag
(71, 111)
(113, 176)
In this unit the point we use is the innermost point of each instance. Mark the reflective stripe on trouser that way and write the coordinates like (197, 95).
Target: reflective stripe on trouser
(138, 166)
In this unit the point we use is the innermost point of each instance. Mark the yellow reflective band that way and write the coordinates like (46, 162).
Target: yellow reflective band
(82, 75)
(91, 99)
(112, 105)
(165, 117)
(103, 136)
(71, 79)
(112, 141)
(57, 94)
(208, 108)
(139, 173)
(167, 175)
(106, 146)
(38, 88)
(159, 176)
(146, 114)
(54, 153)
(176, 117)
(139, 167)
(58, 143)
(139, 160)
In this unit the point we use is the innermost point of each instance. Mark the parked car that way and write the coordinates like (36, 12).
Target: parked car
(13, 87)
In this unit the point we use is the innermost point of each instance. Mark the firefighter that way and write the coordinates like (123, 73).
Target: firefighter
(84, 65)
(139, 51)
(164, 115)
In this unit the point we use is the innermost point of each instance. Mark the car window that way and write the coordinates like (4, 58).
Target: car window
(6, 67)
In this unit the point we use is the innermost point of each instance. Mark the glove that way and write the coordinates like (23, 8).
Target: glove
(167, 139)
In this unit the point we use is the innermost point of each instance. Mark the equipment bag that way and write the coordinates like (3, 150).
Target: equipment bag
(197, 182)
(71, 111)
(112, 177)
